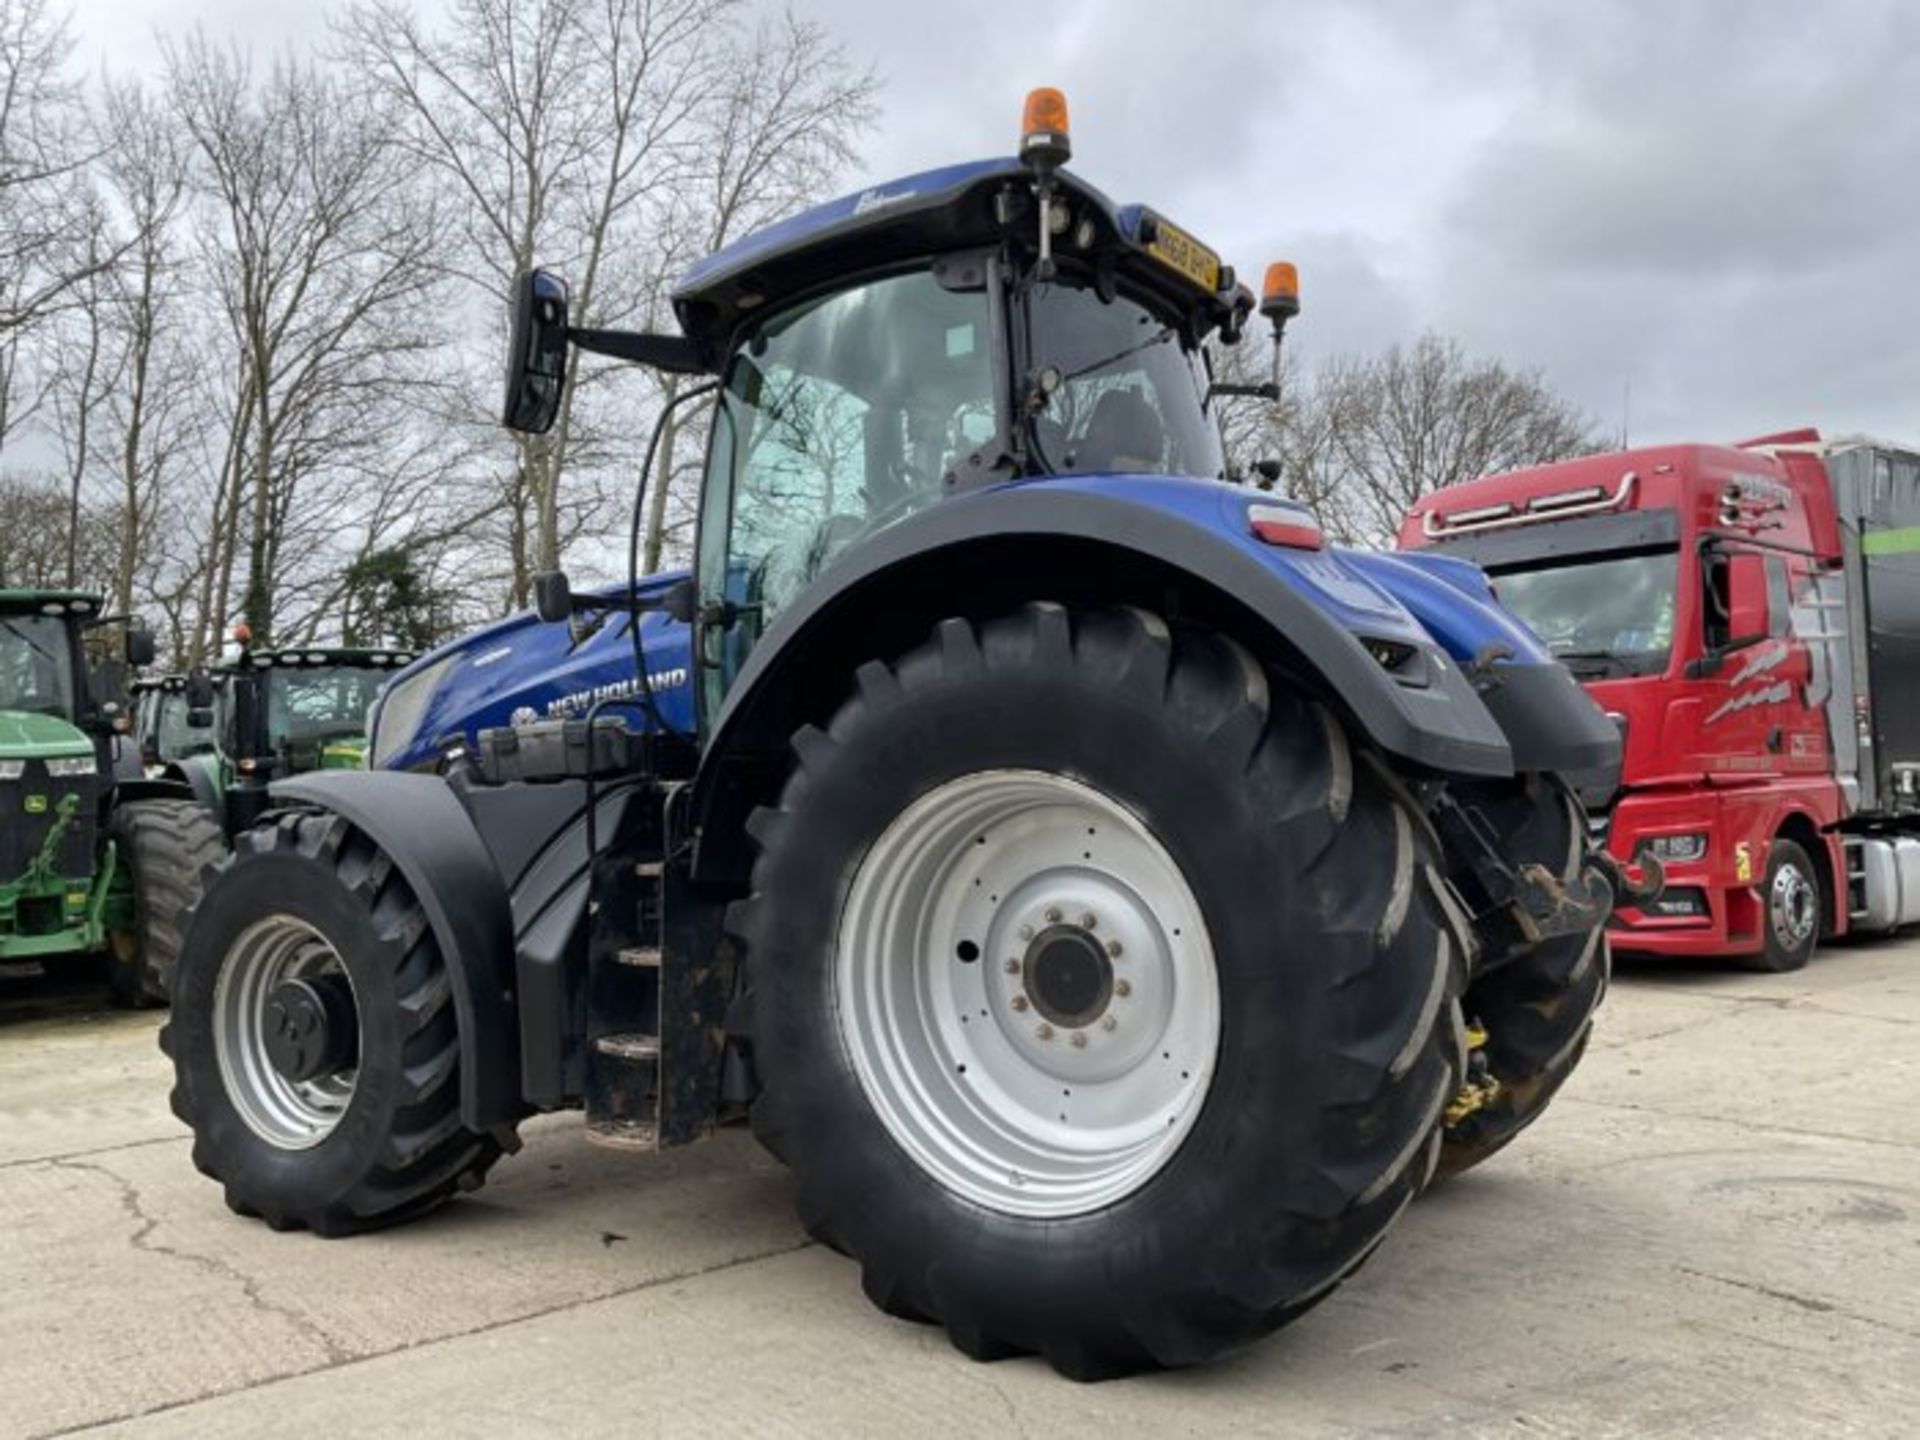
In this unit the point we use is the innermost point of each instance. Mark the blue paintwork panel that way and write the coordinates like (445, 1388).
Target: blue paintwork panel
(520, 669)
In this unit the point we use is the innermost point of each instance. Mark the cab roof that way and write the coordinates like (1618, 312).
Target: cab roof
(952, 209)
(318, 655)
(49, 602)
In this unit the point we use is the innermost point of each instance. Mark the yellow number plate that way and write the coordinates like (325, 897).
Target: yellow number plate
(1180, 252)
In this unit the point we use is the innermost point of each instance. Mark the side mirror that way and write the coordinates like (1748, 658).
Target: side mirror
(552, 596)
(1748, 616)
(140, 647)
(1269, 473)
(536, 353)
(199, 691)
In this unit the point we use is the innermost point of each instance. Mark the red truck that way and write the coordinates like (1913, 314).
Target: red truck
(1749, 616)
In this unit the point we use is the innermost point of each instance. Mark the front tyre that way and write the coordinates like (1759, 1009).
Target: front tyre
(1535, 1010)
(1103, 1006)
(1790, 909)
(315, 1044)
(166, 848)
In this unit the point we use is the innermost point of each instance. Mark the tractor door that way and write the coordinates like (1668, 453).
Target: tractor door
(838, 416)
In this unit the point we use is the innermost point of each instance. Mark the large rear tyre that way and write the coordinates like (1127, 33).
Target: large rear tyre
(1104, 1008)
(167, 847)
(1535, 1010)
(315, 1045)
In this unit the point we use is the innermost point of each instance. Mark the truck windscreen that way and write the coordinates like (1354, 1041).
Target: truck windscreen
(1601, 615)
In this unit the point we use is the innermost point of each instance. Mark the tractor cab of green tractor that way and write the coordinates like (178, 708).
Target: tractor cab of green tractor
(168, 725)
(277, 712)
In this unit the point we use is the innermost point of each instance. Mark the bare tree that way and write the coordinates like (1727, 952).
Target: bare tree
(1416, 420)
(1361, 438)
(775, 137)
(321, 254)
(549, 121)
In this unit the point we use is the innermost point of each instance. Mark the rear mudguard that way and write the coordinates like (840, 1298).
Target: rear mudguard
(200, 774)
(1163, 542)
(421, 825)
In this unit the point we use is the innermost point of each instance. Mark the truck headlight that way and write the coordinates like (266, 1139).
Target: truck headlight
(1670, 848)
(68, 766)
(12, 769)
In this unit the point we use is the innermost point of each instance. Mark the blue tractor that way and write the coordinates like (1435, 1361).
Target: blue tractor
(1114, 904)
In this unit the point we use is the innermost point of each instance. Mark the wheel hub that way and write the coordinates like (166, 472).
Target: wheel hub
(286, 1031)
(1068, 977)
(310, 1029)
(1027, 992)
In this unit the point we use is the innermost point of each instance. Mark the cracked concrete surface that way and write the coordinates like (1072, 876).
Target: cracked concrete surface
(1715, 1232)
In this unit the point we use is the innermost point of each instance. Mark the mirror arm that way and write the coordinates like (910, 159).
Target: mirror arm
(674, 354)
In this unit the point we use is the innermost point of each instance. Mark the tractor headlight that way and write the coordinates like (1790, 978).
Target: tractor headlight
(1670, 848)
(398, 716)
(68, 766)
(12, 769)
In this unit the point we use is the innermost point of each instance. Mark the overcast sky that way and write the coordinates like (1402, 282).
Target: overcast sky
(1715, 203)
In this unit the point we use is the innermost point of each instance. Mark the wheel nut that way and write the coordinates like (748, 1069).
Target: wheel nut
(1013, 966)
(1113, 948)
(1044, 1030)
(1087, 921)
(1078, 1039)
(1053, 915)
(1109, 1023)
(1123, 988)
(1019, 1002)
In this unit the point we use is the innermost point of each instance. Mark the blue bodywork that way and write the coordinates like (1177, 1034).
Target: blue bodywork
(520, 669)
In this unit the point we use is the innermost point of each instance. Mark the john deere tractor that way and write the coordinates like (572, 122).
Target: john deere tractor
(93, 856)
(267, 714)
(1113, 902)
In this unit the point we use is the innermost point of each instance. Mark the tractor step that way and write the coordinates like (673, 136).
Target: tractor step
(630, 1135)
(644, 957)
(629, 1047)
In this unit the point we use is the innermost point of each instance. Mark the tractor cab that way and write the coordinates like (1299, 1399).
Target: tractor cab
(266, 714)
(916, 343)
(168, 726)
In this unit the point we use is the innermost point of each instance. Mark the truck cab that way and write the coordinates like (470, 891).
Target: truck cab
(1710, 599)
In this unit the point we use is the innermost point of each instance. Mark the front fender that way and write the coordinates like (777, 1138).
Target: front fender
(424, 830)
(1550, 722)
(1157, 540)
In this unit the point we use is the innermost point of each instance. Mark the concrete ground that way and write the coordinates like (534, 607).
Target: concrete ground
(1716, 1231)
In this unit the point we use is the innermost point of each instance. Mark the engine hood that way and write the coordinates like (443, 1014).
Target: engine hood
(521, 669)
(30, 735)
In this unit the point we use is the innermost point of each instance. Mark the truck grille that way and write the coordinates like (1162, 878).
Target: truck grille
(22, 832)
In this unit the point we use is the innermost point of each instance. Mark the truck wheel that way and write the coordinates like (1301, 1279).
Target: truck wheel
(1790, 908)
(1103, 1006)
(1536, 1010)
(315, 1047)
(166, 846)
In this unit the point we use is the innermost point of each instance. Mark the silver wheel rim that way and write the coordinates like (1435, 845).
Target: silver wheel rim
(976, 1066)
(1792, 906)
(288, 1114)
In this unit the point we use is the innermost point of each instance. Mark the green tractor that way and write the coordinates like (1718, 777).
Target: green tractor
(167, 729)
(94, 855)
(267, 714)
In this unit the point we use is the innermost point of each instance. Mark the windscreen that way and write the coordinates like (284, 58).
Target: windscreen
(174, 738)
(36, 665)
(1131, 395)
(318, 702)
(1601, 615)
